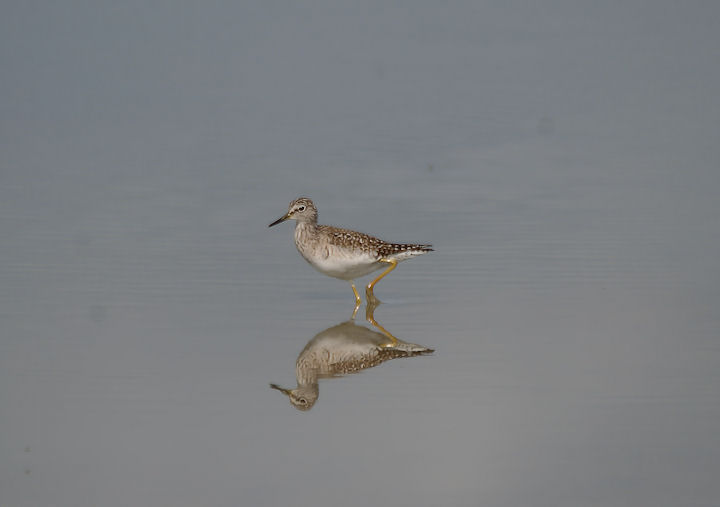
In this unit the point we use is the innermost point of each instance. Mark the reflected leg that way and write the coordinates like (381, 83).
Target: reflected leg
(370, 316)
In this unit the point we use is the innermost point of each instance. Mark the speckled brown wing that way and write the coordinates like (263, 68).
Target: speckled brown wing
(352, 239)
(389, 249)
(360, 241)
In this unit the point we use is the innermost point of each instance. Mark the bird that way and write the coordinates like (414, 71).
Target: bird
(343, 253)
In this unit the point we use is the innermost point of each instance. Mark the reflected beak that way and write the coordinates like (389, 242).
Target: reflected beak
(286, 392)
(279, 220)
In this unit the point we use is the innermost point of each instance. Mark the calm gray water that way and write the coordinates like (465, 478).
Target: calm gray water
(562, 157)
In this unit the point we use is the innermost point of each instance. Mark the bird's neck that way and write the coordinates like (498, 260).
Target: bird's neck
(305, 234)
(305, 227)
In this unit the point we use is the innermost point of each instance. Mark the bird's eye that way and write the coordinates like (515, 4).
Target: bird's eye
(302, 401)
(301, 209)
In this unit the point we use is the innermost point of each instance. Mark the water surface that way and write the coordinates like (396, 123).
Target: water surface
(561, 158)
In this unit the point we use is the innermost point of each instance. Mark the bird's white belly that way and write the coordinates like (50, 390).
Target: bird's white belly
(334, 262)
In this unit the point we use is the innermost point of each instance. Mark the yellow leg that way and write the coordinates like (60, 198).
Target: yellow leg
(370, 316)
(358, 300)
(369, 289)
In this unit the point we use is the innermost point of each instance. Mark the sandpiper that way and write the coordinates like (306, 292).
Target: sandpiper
(342, 253)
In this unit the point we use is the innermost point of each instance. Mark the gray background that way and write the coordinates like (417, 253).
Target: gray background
(562, 157)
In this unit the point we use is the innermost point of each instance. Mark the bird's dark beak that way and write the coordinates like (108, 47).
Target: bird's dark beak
(279, 220)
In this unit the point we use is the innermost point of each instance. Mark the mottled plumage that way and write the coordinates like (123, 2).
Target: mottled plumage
(364, 242)
(343, 253)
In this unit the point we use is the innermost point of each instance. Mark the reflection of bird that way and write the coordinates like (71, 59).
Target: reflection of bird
(339, 350)
(342, 253)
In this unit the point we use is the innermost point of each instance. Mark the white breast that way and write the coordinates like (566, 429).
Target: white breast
(339, 263)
